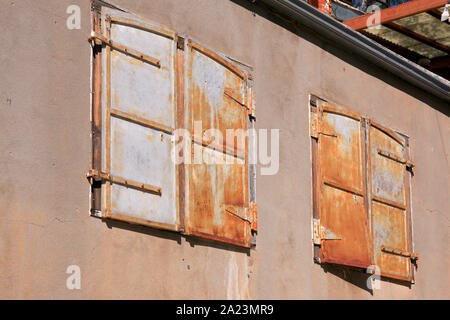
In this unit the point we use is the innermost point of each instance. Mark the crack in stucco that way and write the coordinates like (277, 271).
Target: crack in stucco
(40, 225)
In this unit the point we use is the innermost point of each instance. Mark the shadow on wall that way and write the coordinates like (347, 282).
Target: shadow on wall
(143, 229)
(194, 241)
(174, 236)
(358, 277)
(260, 9)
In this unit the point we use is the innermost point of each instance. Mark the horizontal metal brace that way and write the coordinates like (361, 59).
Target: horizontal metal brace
(389, 203)
(143, 122)
(95, 175)
(400, 252)
(144, 222)
(328, 134)
(236, 152)
(321, 233)
(238, 212)
(341, 186)
(98, 37)
(236, 96)
(393, 157)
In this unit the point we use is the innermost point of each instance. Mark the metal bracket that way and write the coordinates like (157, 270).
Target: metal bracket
(96, 213)
(409, 165)
(180, 43)
(99, 39)
(241, 213)
(413, 256)
(333, 135)
(322, 233)
(393, 157)
(235, 96)
(95, 175)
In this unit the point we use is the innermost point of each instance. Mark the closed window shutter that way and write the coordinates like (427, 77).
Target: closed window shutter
(148, 82)
(138, 120)
(389, 203)
(342, 227)
(361, 212)
(218, 204)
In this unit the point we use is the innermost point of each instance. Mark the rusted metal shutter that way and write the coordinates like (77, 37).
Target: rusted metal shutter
(341, 229)
(148, 82)
(217, 193)
(138, 119)
(389, 203)
(361, 212)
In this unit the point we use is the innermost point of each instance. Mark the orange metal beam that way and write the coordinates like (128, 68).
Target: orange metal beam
(394, 13)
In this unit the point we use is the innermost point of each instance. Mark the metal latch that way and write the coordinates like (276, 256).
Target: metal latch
(322, 233)
(413, 256)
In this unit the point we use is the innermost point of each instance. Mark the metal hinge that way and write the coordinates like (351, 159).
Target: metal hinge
(393, 157)
(322, 233)
(413, 256)
(314, 125)
(250, 107)
(95, 175)
(99, 39)
(180, 43)
(96, 213)
(254, 216)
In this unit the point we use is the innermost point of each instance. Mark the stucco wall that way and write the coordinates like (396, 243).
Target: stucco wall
(46, 150)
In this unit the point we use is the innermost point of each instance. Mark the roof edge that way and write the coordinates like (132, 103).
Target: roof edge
(305, 14)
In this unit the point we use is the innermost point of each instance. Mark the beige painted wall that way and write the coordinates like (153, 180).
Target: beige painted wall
(45, 152)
